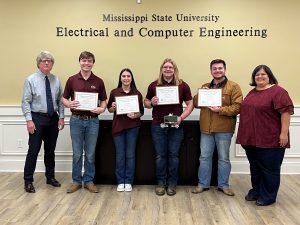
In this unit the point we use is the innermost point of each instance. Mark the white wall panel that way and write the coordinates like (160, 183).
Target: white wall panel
(14, 138)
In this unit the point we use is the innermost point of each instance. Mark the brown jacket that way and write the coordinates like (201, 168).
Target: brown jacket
(223, 121)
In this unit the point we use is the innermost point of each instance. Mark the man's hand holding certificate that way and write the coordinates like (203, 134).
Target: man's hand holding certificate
(209, 97)
(87, 100)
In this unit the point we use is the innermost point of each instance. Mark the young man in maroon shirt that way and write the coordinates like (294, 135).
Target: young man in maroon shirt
(84, 124)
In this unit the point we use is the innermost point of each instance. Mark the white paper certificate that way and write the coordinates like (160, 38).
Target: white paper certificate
(87, 100)
(167, 95)
(209, 97)
(127, 104)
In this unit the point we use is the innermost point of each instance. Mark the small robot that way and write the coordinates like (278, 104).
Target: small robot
(170, 121)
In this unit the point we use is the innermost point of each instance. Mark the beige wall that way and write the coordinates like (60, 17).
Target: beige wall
(28, 27)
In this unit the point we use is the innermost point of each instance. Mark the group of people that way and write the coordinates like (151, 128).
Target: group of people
(263, 127)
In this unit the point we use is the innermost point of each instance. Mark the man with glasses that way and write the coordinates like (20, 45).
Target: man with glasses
(44, 115)
(167, 138)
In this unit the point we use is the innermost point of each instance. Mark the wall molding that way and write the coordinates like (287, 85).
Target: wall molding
(13, 143)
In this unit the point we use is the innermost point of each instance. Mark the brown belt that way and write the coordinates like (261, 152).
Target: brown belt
(84, 117)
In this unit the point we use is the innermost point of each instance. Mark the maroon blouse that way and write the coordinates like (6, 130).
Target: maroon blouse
(122, 122)
(260, 117)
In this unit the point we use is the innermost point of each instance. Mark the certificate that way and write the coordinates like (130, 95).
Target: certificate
(167, 95)
(127, 104)
(209, 97)
(87, 100)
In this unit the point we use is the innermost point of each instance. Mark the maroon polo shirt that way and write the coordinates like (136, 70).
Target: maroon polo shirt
(159, 111)
(78, 83)
(260, 117)
(123, 122)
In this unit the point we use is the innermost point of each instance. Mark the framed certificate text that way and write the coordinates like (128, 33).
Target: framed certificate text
(127, 104)
(209, 97)
(87, 100)
(167, 95)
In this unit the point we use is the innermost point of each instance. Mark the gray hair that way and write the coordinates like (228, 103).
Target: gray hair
(44, 55)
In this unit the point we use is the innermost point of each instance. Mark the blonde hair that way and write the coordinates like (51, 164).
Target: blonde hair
(176, 79)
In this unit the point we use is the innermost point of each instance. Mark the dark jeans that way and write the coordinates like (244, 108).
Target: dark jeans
(265, 165)
(47, 131)
(167, 143)
(125, 144)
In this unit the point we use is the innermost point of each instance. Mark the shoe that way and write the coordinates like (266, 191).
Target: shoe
(199, 189)
(53, 182)
(160, 190)
(29, 188)
(121, 188)
(171, 190)
(91, 187)
(226, 191)
(128, 187)
(73, 187)
(250, 198)
(259, 203)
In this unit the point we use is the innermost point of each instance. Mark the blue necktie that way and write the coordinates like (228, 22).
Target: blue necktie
(50, 108)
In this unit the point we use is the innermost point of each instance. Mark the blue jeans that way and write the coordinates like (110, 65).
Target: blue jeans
(207, 145)
(84, 134)
(125, 144)
(265, 166)
(167, 143)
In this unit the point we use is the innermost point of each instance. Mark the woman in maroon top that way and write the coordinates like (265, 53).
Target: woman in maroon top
(264, 133)
(125, 129)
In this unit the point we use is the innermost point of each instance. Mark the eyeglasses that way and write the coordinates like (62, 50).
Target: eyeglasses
(46, 61)
(168, 67)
